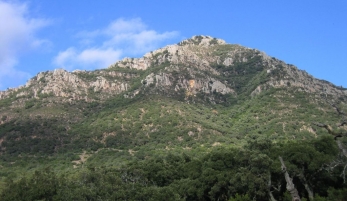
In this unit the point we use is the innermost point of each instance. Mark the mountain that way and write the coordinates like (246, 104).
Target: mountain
(199, 87)
(194, 96)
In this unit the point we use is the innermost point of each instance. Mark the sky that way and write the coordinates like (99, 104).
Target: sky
(42, 35)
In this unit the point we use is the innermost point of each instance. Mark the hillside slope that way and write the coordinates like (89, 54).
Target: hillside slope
(198, 93)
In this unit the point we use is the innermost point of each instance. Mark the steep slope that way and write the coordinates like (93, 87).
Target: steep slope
(199, 93)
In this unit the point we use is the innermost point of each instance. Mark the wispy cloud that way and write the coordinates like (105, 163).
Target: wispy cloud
(88, 58)
(17, 35)
(120, 38)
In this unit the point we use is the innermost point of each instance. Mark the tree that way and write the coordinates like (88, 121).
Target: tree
(290, 186)
(338, 135)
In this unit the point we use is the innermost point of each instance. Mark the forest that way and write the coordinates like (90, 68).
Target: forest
(317, 169)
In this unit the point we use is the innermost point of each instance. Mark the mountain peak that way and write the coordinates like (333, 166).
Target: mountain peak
(202, 40)
(201, 65)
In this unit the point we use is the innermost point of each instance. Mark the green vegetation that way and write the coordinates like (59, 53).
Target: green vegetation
(121, 133)
(221, 174)
(196, 41)
(244, 77)
(214, 41)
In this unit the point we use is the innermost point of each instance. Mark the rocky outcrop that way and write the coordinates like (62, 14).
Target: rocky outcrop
(195, 51)
(200, 64)
(78, 85)
(206, 85)
(291, 76)
(136, 63)
(8, 92)
(202, 41)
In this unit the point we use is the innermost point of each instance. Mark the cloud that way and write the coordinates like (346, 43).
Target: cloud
(88, 58)
(17, 36)
(120, 38)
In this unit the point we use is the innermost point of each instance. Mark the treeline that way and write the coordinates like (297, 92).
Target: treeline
(249, 173)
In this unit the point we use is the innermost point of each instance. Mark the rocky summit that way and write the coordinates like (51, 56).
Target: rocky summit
(193, 97)
(201, 64)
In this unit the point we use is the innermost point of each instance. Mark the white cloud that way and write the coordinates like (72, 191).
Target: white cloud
(86, 59)
(134, 36)
(17, 35)
(120, 38)
(102, 57)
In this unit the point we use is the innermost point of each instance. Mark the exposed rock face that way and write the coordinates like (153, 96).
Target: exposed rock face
(201, 64)
(77, 85)
(186, 51)
(228, 62)
(293, 77)
(219, 87)
(139, 64)
(205, 85)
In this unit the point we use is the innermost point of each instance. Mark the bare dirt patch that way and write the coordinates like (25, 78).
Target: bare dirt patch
(83, 158)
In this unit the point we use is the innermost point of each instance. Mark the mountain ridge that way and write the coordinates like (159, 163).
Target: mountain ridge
(200, 52)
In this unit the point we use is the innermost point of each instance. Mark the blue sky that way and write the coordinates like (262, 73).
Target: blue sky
(41, 35)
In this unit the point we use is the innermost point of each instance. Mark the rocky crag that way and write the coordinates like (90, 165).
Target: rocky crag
(196, 65)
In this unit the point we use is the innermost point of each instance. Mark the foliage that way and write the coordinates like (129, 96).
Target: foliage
(222, 174)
